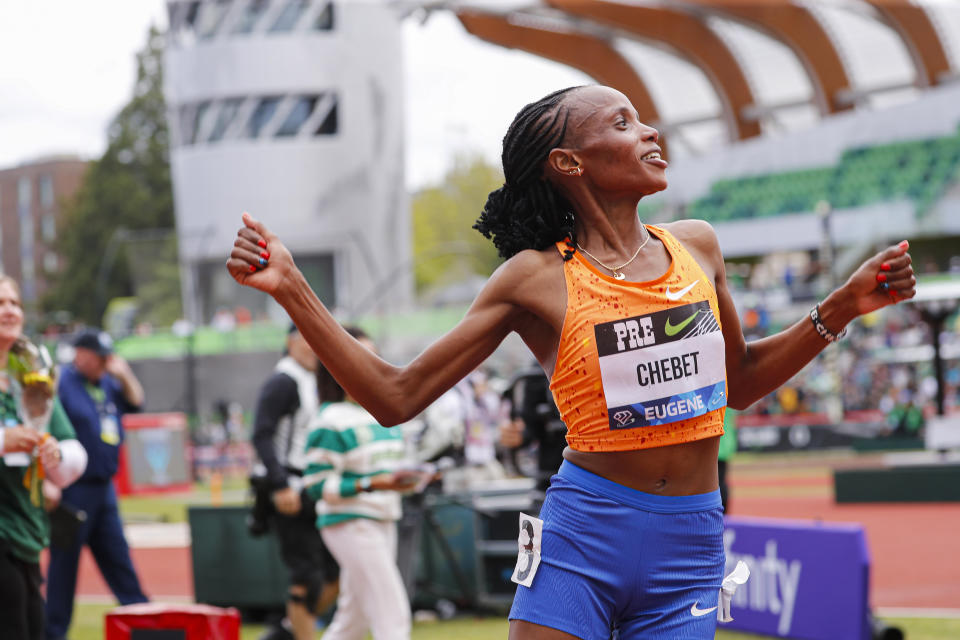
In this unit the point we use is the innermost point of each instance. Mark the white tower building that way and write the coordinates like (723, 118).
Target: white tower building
(291, 110)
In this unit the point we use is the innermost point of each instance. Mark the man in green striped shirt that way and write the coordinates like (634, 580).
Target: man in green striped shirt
(355, 473)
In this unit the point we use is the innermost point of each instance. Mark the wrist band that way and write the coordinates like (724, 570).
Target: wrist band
(825, 333)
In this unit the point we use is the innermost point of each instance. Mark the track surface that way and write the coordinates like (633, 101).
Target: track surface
(914, 547)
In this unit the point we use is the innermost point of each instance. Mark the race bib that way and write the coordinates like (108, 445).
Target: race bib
(662, 367)
(528, 559)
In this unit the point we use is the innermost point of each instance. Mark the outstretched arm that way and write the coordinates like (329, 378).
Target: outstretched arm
(392, 394)
(755, 369)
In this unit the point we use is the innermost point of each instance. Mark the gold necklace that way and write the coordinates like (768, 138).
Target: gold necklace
(617, 274)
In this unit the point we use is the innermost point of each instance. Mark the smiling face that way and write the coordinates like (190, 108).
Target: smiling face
(11, 313)
(606, 139)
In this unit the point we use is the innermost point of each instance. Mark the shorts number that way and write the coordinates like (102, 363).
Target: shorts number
(527, 527)
(528, 556)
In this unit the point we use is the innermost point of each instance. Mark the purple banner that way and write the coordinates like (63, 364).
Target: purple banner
(808, 580)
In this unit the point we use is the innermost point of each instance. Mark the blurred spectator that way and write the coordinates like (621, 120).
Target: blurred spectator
(223, 320)
(481, 407)
(904, 417)
(23, 522)
(462, 425)
(243, 316)
(443, 433)
(883, 354)
(355, 474)
(224, 429)
(728, 447)
(534, 421)
(181, 327)
(288, 402)
(218, 436)
(96, 390)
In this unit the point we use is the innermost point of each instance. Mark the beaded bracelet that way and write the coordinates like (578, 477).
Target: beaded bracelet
(825, 333)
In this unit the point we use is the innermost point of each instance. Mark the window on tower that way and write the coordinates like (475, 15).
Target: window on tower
(289, 16)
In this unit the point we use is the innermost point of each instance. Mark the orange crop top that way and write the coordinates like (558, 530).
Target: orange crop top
(640, 364)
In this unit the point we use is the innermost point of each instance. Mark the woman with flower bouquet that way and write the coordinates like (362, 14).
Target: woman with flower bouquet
(37, 444)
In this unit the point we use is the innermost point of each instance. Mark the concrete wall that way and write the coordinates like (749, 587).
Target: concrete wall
(232, 377)
(336, 194)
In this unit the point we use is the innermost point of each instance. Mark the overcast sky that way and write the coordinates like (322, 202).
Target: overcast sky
(67, 67)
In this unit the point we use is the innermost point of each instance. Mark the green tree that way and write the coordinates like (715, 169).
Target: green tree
(446, 247)
(127, 190)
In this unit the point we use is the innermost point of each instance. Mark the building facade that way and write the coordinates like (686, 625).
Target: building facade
(32, 198)
(291, 110)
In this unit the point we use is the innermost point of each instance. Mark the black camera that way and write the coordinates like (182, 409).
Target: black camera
(258, 520)
(531, 401)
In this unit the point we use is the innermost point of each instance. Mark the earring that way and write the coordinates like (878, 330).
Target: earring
(579, 171)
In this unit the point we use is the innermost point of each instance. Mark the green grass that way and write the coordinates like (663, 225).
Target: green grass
(88, 625)
(172, 507)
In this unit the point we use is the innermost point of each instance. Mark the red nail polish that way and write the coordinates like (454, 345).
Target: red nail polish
(904, 245)
(885, 266)
(264, 255)
(881, 277)
(262, 243)
(253, 268)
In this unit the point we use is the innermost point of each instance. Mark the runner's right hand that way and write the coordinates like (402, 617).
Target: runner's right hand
(254, 241)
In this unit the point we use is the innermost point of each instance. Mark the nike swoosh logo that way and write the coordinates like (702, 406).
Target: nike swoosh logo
(674, 329)
(673, 297)
(696, 612)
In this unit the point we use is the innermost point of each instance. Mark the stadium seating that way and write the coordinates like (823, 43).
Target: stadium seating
(918, 170)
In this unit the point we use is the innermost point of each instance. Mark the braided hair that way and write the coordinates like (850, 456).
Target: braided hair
(529, 212)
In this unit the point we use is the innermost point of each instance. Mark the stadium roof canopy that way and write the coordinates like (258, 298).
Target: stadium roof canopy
(710, 71)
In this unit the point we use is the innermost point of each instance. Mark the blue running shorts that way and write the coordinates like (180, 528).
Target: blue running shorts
(612, 556)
